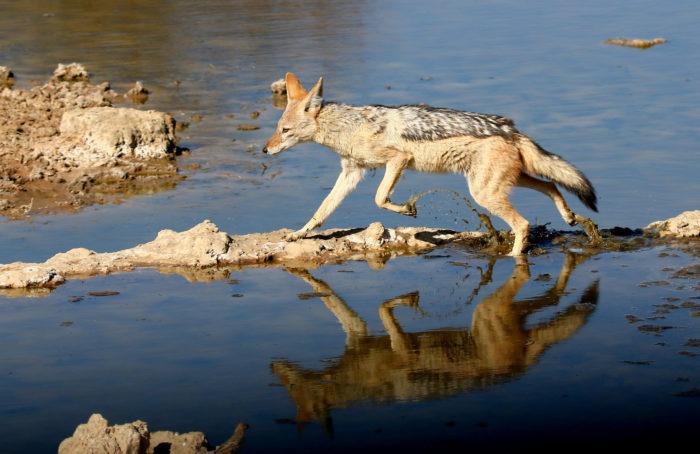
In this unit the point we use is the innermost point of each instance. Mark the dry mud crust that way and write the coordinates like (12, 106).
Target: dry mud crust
(63, 145)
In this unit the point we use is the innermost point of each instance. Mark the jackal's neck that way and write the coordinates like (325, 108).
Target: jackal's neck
(337, 123)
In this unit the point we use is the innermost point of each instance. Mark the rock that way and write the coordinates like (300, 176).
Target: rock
(375, 235)
(204, 247)
(279, 93)
(138, 94)
(279, 87)
(637, 43)
(204, 252)
(7, 78)
(685, 225)
(110, 132)
(98, 436)
(72, 72)
(29, 277)
(175, 443)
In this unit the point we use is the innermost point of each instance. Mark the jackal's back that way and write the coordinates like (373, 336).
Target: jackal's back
(425, 123)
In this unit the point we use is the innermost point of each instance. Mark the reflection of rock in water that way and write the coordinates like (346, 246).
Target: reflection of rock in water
(404, 366)
(63, 146)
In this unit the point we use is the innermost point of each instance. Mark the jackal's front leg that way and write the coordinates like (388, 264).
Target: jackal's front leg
(348, 179)
(394, 168)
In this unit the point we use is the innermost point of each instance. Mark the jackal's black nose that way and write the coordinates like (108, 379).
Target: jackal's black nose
(265, 150)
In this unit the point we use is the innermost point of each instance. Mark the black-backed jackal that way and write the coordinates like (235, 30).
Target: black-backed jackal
(487, 149)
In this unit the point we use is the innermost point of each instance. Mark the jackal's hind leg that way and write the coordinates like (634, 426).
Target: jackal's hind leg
(492, 194)
(394, 168)
(549, 189)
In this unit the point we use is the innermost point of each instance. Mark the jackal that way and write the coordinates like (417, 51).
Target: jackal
(487, 149)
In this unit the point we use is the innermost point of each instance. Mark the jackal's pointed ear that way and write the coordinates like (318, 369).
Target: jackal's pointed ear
(295, 91)
(314, 99)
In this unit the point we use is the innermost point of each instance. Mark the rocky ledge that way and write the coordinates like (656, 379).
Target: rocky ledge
(205, 253)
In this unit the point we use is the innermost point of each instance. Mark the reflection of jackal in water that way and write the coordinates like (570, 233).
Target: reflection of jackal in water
(415, 366)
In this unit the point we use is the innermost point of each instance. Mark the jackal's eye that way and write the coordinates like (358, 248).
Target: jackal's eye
(285, 130)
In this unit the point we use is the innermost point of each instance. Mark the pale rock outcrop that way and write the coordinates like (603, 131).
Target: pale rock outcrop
(685, 225)
(98, 436)
(204, 247)
(110, 133)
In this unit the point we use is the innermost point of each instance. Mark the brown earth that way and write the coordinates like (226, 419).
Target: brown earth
(65, 145)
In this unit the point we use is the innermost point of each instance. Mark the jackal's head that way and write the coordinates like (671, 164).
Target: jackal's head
(298, 122)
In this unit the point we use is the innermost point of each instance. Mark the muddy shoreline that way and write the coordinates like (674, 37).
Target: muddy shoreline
(69, 143)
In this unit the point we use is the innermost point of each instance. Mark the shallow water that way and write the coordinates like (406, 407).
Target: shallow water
(204, 356)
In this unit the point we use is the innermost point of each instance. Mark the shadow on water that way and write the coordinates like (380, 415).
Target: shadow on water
(404, 366)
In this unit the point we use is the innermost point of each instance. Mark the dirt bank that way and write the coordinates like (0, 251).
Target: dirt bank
(205, 253)
(65, 145)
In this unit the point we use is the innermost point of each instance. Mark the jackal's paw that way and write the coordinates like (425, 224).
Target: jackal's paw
(591, 230)
(299, 234)
(571, 218)
(410, 209)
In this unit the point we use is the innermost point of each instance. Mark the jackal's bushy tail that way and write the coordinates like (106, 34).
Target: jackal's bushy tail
(540, 162)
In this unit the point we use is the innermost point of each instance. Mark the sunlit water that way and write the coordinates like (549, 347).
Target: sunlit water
(351, 357)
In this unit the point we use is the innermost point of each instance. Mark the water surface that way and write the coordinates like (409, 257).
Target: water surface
(612, 356)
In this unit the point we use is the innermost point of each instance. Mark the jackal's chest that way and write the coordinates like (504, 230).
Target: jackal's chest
(365, 151)
(433, 157)
(363, 158)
